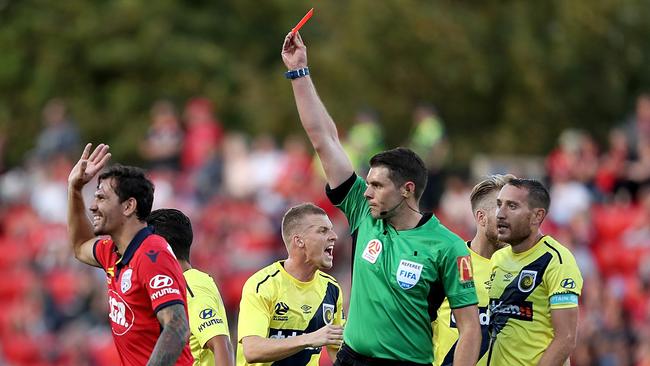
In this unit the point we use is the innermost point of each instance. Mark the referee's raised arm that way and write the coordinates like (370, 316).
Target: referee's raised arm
(314, 117)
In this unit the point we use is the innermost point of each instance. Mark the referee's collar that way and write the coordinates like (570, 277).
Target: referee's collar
(134, 245)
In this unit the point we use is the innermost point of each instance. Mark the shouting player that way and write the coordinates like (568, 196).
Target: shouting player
(290, 309)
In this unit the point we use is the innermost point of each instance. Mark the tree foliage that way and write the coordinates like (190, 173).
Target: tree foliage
(506, 76)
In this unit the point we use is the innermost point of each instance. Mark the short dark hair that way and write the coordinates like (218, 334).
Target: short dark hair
(292, 218)
(488, 185)
(403, 165)
(538, 196)
(176, 228)
(130, 181)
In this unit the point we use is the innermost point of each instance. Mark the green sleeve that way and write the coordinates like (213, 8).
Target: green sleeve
(354, 205)
(457, 274)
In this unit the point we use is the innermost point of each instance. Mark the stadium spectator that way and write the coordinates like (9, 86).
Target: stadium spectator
(162, 144)
(210, 339)
(3, 147)
(455, 205)
(296, 171)
(60, 135)
(203, 134)
(428, 139)
(637, 127)
(611, 173)
(238, 182)
(388, 227)
(290, 309)
(535, 283)
(48, 193)
(364, 139)
(146, 288)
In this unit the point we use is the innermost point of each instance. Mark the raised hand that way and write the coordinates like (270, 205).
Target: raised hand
(88, 165)
(294, 52)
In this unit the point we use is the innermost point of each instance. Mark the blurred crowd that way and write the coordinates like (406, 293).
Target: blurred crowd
(235, 188)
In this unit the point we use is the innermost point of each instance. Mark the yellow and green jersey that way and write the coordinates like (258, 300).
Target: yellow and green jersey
(206, 313)
(274, 304)
(525, 288)
(445, 333)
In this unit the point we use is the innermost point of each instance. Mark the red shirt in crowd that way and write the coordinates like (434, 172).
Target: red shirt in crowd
(146, 279)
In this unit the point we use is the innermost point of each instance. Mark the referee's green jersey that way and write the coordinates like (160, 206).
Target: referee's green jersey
(399, 279)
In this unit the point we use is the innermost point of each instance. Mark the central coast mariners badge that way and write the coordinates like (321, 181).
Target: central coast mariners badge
(527, 280)
(328, 313)
(408, 274)
(125, 285)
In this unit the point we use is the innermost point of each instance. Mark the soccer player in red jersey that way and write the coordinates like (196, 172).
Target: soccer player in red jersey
(146, 288)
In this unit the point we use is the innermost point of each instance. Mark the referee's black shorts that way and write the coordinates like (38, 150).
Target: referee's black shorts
(348, 357)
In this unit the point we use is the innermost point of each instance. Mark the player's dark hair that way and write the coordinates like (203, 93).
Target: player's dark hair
(485, 187)
(538, 196)
(403, 165)
(130, 181)
(176, 228)
(294, 216)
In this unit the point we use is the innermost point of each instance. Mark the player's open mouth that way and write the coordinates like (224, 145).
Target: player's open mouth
(330, 250)
(96, 219)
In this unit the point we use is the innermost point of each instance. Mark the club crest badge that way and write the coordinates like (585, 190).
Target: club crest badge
(125, 284)
(527, 280)
(408, 274)
(328, 313)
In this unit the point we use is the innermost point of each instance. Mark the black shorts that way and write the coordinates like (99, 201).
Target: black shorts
(348, 357)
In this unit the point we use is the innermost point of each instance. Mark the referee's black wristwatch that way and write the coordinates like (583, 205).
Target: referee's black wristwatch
(297, 73)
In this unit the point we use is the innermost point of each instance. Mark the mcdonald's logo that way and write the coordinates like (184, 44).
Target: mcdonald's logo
(465, 271)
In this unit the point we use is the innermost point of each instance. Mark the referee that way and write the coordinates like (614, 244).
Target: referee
(404, 262)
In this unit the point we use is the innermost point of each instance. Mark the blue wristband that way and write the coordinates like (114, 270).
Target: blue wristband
(298, 73)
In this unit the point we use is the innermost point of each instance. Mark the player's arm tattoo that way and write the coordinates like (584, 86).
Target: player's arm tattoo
(173, 337)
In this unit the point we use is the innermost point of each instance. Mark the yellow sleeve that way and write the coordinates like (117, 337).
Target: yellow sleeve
(255, 311)
(564, 282)
(339, 317)
(207, 316)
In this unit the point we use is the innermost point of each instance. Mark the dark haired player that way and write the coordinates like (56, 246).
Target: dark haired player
(146, 288)
(404, 262)
(210, 338)
(535, 284)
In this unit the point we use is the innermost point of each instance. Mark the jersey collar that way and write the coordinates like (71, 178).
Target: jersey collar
(423, 220)
(134, 245)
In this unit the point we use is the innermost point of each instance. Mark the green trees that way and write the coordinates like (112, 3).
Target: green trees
(506, 76)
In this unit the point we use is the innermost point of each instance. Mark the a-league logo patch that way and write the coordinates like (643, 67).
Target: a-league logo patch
(465, 270)
(527, 280)
(125, 284)
(408, 274)
(328, 313)
(372, 251)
